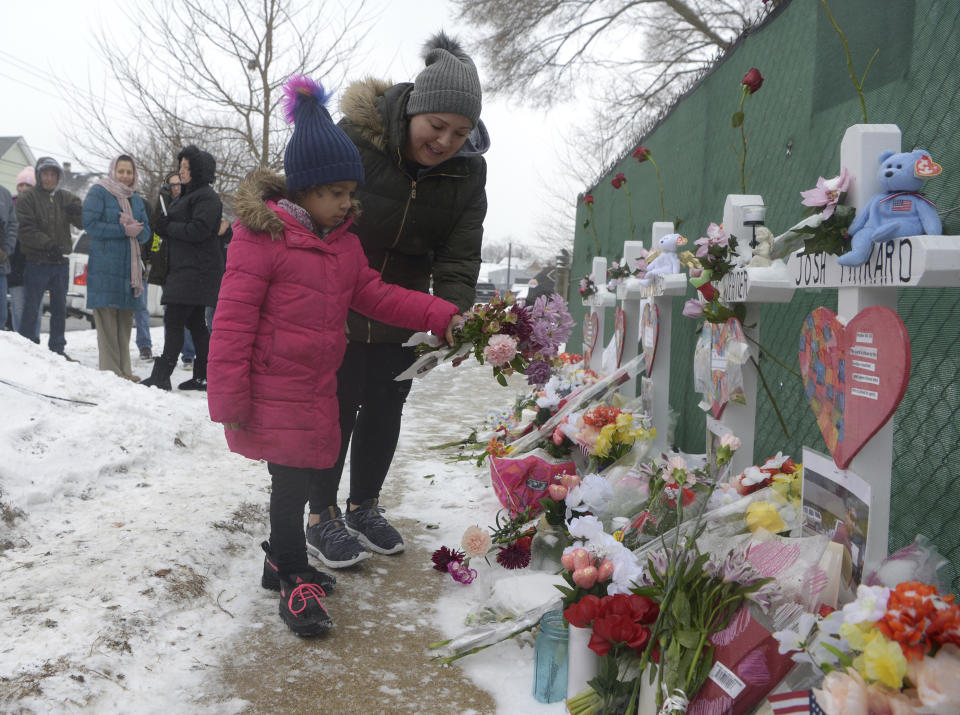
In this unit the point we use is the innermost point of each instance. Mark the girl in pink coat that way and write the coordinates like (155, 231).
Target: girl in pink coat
(294, 269)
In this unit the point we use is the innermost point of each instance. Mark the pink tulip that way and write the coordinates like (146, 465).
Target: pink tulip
(693, 309)
(557, 492)
(570, 481)
(585, 577)
(566, 560)
(581, 559)
(605, 570)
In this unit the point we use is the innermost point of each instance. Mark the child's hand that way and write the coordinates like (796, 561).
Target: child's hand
(455, 321)
(233, 425)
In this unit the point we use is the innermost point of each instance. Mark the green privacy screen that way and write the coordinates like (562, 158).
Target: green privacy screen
(794, 125)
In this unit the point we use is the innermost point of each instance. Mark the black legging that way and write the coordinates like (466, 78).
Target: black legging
(371, 407)
(176, 317)
(288, 494)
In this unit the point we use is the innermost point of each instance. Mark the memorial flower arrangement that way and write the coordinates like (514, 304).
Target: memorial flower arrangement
(715, 252)
(890, 650)
(510, 538)
(824, 229)
(587, 287)
(512, 337)
(606, 433)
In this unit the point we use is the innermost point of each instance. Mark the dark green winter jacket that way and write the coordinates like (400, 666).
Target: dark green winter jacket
(413, 227)
(45, 218)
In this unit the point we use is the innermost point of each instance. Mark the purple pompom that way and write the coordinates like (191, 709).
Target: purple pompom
(298, 88)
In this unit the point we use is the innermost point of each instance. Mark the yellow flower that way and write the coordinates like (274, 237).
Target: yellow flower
(882, 661)
(763, 515)
(788, 486)
(604, 442)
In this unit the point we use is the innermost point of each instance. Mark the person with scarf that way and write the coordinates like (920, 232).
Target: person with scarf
(115, 218)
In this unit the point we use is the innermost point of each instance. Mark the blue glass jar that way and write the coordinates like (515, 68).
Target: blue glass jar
(550, 668)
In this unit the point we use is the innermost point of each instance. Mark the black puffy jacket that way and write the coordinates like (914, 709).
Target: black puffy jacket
(194, 260)
(413, 227)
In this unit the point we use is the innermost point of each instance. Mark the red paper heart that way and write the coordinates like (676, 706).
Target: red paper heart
(649, 334)
(591, 328)
(854, 375)
(619, 332)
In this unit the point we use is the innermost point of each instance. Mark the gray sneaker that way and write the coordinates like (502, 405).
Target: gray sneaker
(332, 543)
(366, 522)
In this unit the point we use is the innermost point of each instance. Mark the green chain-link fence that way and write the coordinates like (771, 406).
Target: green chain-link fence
(794, 125)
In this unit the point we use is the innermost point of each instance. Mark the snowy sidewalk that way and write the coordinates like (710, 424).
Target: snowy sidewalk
(130, 565)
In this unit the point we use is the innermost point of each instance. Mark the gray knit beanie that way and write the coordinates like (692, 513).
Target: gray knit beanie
(449, 83)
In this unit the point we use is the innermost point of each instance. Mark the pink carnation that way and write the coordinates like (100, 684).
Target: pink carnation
(500, 351)
(476, 542)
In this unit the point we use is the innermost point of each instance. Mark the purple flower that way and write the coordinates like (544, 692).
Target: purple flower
(537, 372)
(461, 572)
(443, 557)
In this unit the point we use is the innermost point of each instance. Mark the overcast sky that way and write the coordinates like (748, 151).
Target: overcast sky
(54, 38)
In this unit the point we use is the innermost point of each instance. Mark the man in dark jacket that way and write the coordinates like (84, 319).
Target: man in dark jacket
(8, 241)
(46, 212)
(423, 202)
(194, 267)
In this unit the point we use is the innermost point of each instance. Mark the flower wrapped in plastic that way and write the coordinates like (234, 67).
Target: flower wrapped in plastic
(505, 334)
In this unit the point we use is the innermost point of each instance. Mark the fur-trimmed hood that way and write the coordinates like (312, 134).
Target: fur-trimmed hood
(377, 109)
(250, 201)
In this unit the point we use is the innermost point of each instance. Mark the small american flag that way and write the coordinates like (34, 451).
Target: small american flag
(902, 205)
(796, 702)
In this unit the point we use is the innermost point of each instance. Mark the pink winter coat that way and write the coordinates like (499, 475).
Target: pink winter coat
(278, 334)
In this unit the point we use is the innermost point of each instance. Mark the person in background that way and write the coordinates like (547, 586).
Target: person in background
(46, 212)
(295, 269)
(194, 267)
(8, 242)
(25, 179)
(424, 203)
(115, 218)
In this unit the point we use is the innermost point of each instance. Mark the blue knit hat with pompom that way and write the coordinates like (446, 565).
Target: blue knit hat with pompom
(319, 152)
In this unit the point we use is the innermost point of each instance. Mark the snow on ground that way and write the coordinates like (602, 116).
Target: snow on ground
(126, 529)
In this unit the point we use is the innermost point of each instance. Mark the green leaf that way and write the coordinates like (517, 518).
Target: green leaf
(429, 476)
(681, 607)
(737, 119)
(845, 659)
(433, 526)
(688, 638)
(502, 379)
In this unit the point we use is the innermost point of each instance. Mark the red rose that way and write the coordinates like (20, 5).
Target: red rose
(644, 610)
(752, 80)
(618, 181)
(708, 291)
(524, 542)
(641, 153)
(582, 613)
(616, 630)
(588, 199)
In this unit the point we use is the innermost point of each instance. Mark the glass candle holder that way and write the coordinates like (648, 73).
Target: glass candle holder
(550, 668)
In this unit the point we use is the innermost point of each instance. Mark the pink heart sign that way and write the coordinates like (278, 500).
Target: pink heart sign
(854, 375)
(591, 328)
(619, 332)
(649, 334)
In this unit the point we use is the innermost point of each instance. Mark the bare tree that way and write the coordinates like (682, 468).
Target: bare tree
(210, 72)
(633, 56)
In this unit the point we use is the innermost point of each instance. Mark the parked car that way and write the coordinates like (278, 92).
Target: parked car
(485, 291)
(77, 285)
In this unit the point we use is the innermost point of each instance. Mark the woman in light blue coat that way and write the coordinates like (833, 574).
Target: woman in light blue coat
(115, 218)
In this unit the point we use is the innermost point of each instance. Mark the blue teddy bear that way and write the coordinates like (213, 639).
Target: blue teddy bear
(899, 210)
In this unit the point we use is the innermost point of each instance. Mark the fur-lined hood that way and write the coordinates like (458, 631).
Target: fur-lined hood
(377, 110)
(251, 206)
(250, 202)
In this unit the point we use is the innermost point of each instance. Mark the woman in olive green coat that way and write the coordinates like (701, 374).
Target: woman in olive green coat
(423, 204)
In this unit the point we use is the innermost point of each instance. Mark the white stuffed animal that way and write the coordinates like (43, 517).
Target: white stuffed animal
(667, 261)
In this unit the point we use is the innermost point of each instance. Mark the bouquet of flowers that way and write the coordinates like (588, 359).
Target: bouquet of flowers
(510, 538)
(511, 337)
(892, 650)
(587, 287)
(715, 252)
(605, 433)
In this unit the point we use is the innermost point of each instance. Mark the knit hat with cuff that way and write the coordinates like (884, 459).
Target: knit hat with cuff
(27, 176)
(449, 83)
(319, 152)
